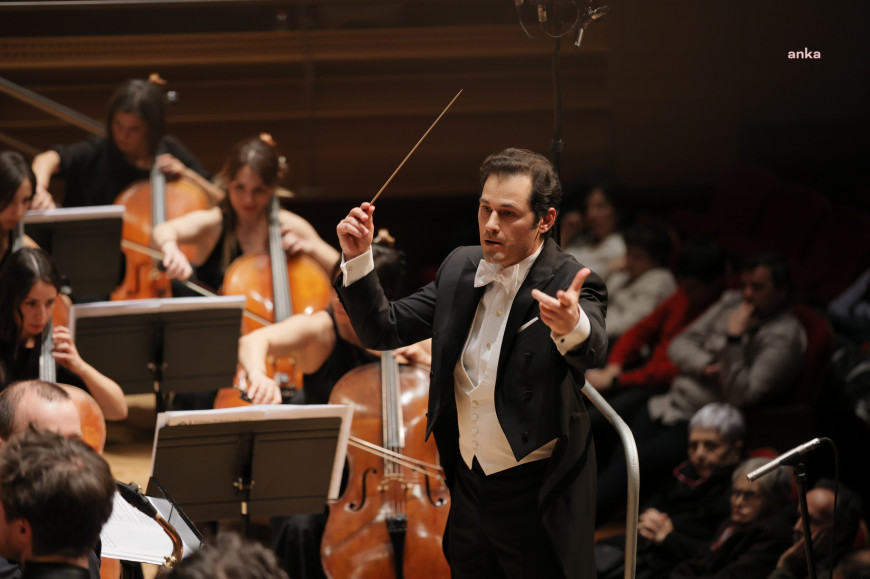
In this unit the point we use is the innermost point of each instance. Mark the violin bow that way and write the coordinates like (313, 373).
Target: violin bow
(411, 152)
(158, 255)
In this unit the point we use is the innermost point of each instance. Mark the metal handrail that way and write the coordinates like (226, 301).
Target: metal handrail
(632, 467)
(53, 108)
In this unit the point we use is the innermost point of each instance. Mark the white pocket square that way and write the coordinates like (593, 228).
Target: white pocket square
(527, 324)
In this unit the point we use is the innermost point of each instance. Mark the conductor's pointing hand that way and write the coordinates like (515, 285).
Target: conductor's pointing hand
(355, 232)
(561, 313)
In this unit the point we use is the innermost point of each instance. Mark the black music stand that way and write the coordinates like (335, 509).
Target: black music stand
(266, 460)
(70, 234)
(161, 345)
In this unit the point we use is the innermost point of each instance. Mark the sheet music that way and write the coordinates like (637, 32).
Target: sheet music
(132, 536)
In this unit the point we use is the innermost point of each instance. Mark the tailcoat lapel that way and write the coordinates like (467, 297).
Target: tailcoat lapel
(525, 307)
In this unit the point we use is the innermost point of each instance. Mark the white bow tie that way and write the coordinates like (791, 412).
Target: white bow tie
(489, 272)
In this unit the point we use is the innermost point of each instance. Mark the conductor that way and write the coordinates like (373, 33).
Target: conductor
(514, 324)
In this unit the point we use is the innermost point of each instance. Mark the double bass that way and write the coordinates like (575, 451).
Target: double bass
(274, 297)
(390, 520)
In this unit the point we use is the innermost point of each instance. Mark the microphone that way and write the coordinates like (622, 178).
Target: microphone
(784, 459)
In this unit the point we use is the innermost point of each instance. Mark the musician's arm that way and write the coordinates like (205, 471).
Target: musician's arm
(44, 166)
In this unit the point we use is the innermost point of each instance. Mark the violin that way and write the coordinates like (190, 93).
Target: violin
(146, 205)
(390, 520)
(303, 290)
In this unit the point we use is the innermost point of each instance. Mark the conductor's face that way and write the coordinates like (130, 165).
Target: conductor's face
(509, 231)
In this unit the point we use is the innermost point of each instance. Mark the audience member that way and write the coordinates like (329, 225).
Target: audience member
(600, 246)
(820, 506)
(644, 282)
(638, 365)
(749, 541)
(230, 558)
(744, 350)
(56, 493)
(678, 521)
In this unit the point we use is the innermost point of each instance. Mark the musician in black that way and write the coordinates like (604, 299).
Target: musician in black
(29, 292)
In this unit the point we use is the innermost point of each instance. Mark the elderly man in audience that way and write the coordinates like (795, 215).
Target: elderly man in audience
(678, 521)
(745, 350)
(749, 541)
(820, 505)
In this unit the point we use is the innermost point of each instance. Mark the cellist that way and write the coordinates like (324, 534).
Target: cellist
(97, 169)
(325, 347)
(29, 288)
(239, 224)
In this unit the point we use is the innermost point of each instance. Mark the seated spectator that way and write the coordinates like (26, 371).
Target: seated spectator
(820, 506)
(749, 541)
(678, 521)
(744, 350)
(230, 558)
(56, 493)
(644, 282)
(638, 365)
(599, 246)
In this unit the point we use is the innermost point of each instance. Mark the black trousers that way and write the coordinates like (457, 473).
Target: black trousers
(494, 528)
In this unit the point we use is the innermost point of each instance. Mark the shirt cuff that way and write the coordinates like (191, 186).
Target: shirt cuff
(357, 268)
(575, 337)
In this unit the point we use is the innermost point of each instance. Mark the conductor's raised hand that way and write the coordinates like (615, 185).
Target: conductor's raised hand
(561, 313)
(355, 232)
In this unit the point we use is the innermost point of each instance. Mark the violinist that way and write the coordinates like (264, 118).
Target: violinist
(29, 288)
(239, 225)
(325, 348)
(16, 193)
(97, 169)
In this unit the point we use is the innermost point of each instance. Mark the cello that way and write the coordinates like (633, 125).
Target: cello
(304, 289)
(390, 520)
(146, 205)
(93, 423)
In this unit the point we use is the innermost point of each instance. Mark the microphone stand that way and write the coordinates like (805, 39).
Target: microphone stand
(800, 475)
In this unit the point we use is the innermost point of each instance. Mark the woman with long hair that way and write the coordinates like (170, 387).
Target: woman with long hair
(239, 224)
(16, 193)
(29, 289)
(97, 169)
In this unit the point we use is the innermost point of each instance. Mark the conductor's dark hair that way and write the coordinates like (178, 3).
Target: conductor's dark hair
(546, 187)
(230, 558)
(61, 486)
(14, 170)
(10, 398)
(144, 99)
